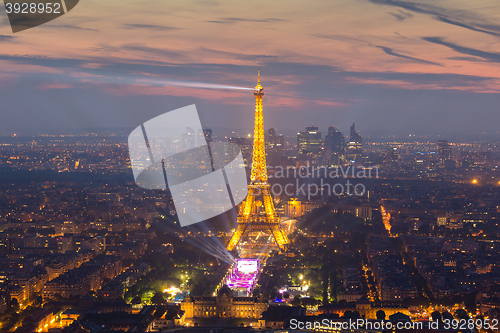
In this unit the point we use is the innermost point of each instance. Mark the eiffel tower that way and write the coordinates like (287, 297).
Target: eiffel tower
(251, 217)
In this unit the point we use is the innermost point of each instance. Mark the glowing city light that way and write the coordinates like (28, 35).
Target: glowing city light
(247, 266)
(172, 290)
(243, 274)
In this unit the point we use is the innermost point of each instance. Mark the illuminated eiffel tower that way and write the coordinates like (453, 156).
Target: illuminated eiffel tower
(251, 217)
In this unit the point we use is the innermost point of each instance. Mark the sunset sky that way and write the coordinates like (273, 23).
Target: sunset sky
(391, 66)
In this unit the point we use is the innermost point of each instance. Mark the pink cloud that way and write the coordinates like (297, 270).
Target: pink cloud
(488, 86)
(54, 85)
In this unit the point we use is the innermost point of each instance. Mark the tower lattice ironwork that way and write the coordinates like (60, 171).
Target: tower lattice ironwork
(259, 191)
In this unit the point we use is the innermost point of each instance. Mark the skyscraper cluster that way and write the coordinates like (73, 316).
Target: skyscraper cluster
(332, 150)
(311, 148)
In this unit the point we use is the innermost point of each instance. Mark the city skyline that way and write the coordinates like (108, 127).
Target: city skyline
(386, 65)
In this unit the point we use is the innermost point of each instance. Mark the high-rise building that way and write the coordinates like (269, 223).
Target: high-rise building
(275, 144)
(246, 145)
(393, 154)
(188, 138)
(444, 150)
(310, 141)
(355, 145)
(355, 137)
(334, 145)
(270, 137)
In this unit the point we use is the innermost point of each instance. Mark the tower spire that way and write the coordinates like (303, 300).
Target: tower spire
(258, 87)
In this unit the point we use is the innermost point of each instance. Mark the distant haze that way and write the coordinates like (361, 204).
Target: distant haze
(393, 67)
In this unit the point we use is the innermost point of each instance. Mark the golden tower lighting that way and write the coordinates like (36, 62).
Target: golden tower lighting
(259, 190)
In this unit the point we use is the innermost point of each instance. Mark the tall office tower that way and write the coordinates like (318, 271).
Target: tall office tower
(275, 144)
(355, 137)
(444, 150)
(270, 137)
(246, 148)
(208, 135)
(393, 154)
(334, 145)
(270, 144)
(258, 214)
(309, 141)
(188, 138)
(355, 145)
